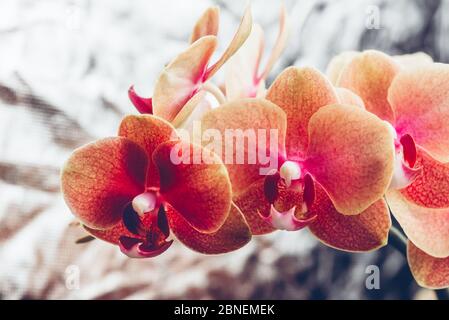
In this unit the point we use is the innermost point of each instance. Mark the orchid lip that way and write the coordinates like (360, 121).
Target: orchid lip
(135, 248)
(287, 220)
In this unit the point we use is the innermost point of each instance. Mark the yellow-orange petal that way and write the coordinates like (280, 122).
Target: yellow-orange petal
(351, 154)
(180, 80)
(148, 132)
(430, 188)
(207, 24)
(239, 121)
(232, 235)
(346, 96)
(239, 39)
(366, 231)
(338, 63)
(197, 188)
(428, 271)
(369, 75)
(420, 99)
(101, 178)
(300, 92)
(427, 228)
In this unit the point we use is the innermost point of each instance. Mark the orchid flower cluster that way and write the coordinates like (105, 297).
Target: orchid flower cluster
(368, 138)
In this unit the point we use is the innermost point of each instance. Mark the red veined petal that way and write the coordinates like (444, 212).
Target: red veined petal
(199, 190)
(254, 205)
(180, 80)
(346, 96)
(431, 187)
(207, 24)
(358, 233)
(420, 99)
(351, 155)
(426, 228)
(143, 105)
(369, 75)
(148, 132)
(428, 271)
(101, 178)
(242, 69)
(240, 121)
(239, 39)
(233, 235)
(337, 65)
(300, 92)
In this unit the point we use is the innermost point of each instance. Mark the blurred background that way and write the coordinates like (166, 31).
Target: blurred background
(65, 68)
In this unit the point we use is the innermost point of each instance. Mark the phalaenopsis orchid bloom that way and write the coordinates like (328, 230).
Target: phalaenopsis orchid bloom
(243, 78)
(412, 94)
(127, 191)
(182, 84)
(335, 162)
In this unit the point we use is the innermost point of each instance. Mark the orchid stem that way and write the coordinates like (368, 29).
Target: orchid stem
(398, 240)
(215, 91)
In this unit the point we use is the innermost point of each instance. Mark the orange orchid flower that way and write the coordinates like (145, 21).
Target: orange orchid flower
(335, 162)
(412, 94)
(127, 191)
(188, 74)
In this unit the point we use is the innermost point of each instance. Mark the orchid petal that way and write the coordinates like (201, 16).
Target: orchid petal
(242, 69)
(207, 24)
(431, 187)
(200, 191)
(359, 233)
(279, 45)
(101, 178)
(338, 64)
(254, 206)
(239, 39)
(426, 228)
(420, 99)
(369, 75)
(233, 235)
(413, 60)
(428, 271)
(143, 105)
(300, 92)
(189, 108)
(351, 154)
(180, 80)
(240, 120)
(148, 132)
(346, 96)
